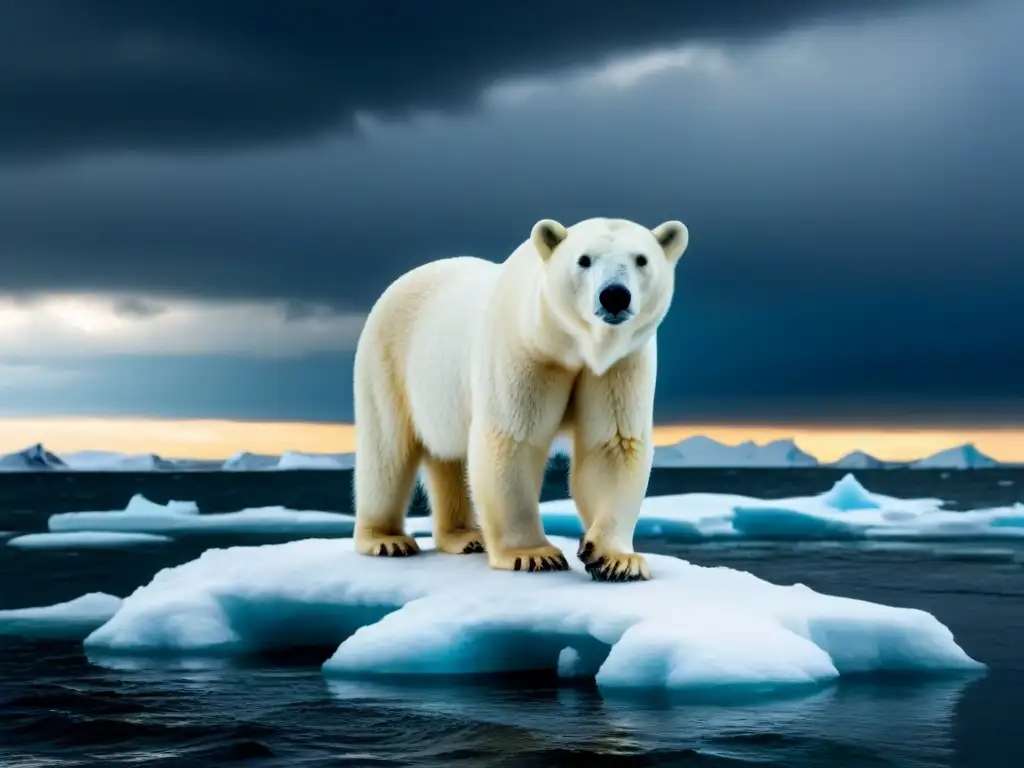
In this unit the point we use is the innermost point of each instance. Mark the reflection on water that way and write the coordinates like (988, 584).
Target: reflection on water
(899, 717)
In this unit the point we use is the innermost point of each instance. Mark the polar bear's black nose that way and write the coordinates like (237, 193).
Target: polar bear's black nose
(615, 299)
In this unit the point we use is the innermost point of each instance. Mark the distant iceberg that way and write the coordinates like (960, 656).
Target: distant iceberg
(689, 629)
(961, 457)
(243, 461)
(289, 460)
(701, 451)
(859, 460)
(298, 460)
(35, 458)
(109, 461)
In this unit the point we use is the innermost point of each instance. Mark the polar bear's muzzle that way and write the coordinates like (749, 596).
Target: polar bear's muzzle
(614, 300)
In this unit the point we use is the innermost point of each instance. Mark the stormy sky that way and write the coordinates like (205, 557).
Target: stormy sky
(200, 199)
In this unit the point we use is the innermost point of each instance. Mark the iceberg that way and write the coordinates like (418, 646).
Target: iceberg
(35, 458)
(297, 460)
(243, 461)
(701, 451)
(182, 518)
(289, 460)
(73, 620)
(84, 540)
(109, 461)
(690, 628)
(859, 460)
(961, 457)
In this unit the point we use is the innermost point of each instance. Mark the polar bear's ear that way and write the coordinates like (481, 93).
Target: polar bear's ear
(547, 235)
(673, 237)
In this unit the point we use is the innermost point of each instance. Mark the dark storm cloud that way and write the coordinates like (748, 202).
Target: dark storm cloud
(855, 218)
(82, 75)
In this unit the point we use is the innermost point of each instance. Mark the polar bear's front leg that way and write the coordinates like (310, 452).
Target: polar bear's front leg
(613, 450)
(505, 477)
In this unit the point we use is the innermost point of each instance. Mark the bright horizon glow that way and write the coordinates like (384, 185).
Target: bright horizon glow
(219, 439)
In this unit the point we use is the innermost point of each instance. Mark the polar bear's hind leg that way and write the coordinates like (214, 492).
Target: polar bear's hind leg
(455, 528)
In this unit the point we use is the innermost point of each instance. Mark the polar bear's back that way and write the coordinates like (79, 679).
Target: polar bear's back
(418, 342)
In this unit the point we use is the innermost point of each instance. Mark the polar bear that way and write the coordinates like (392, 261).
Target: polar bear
(469, 369)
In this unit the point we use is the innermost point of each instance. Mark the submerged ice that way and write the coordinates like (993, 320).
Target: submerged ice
(690, 628)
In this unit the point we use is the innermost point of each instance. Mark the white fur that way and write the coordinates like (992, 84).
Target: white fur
(471, 368)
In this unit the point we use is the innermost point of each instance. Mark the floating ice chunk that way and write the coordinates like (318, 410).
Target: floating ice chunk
(84, 540)
(72, 620)
(182, 518)
(688, 628)
(846, 511)
(848, 494)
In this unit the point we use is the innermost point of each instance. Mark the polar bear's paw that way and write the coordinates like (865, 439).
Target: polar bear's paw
(612, 566)
(466, 541)
(543, 558)
(386, 546)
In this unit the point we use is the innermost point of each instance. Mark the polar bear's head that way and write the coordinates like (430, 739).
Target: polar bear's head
(605, 274)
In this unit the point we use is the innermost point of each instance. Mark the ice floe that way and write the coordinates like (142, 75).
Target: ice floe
(72, 620)
(84, 540)
(691, 628)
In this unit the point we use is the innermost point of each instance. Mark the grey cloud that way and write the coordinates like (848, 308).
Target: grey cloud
(198, 75)
(138, 307)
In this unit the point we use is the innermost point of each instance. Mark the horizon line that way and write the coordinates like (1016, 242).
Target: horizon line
(199, 438)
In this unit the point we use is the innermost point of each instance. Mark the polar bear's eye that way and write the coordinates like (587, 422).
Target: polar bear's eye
(583, 261)
(641, 261)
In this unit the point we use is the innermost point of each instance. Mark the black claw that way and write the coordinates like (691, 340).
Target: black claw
(473, 546)
(519, 565)
(533, 564)
(586, 550)
(410, 550)
(383, 550)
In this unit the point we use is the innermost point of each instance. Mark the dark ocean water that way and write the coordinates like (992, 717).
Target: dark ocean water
(57, 708)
